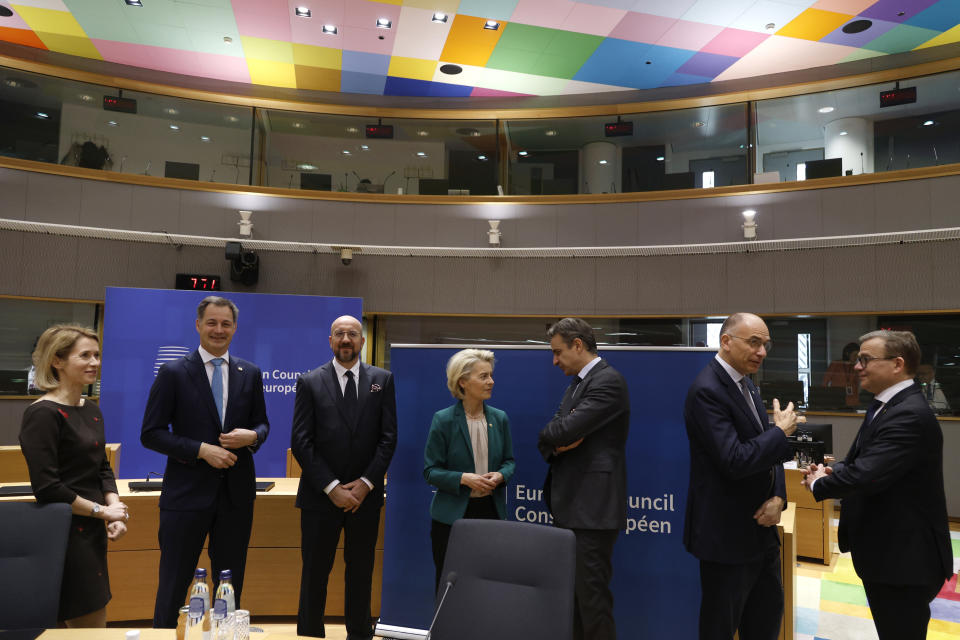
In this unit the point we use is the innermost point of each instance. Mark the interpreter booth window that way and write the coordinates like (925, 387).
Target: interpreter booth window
(363, 154)
(880, 127)
(21, 323)
(683, 149)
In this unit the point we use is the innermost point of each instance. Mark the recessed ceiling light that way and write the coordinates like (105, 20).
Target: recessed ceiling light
(660, 158)
(86, 97)
(770, 27)
(10, 82)
(451, 69)
(825, 109)
(857, 26)
(204, 138)
(175, 127)
(298, 125)
(439, 17)
(353, 130)
(422, 133)
(134, 3)
(491, 25)
(170, 111)
(233, 119)
(302, 12)
(481, 157)
(421, 154)
(330, 29)
(43, 115)
(227, 40)
(550, 132)
(523, 153)
(345, 152)
(111, 123)
(928, 123)
(843, 133)
(306, 167)
(601, 162)
(698, 124)
(364, 147)
(384, 23)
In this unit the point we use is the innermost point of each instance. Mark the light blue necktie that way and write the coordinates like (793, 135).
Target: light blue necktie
(216, 385)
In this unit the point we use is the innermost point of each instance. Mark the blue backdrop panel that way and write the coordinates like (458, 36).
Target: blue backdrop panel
(655, 582)
(142, 328)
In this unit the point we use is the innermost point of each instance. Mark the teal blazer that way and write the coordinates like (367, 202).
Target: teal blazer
(449, 454)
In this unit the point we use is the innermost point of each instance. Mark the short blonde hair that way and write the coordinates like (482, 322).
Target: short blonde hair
(461, 364)
(56, 342)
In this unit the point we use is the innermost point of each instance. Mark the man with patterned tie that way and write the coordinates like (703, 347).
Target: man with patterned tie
(586, 486)
(206, 413)
(894, 514)
(737, 489)
(344, 434)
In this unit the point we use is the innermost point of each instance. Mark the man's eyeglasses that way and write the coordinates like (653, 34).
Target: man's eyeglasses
(755, 343)
(341, 334)
(865, 360)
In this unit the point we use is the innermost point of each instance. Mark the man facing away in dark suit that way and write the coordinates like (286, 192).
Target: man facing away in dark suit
(344, 434)
(586, 486)
(737, 490)
(893, 519)
(207, 414)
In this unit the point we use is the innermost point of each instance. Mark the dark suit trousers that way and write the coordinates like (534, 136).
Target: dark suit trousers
(741, 597)
(182, 534)
(901, 612)
(593, 600)
(320, 533)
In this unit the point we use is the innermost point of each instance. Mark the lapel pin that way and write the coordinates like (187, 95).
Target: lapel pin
(239, 368)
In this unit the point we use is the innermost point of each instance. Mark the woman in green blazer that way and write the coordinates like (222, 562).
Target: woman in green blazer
(469, 452)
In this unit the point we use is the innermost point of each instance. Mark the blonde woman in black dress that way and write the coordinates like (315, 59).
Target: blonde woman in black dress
(62, 440)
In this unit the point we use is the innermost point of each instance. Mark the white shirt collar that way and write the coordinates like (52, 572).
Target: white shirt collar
(206, 356)
(586, 369)
(340, 369)
(887, 394)
(733, 373)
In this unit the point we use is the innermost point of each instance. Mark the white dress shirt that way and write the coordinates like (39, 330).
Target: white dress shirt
(583, 372)
(342, 379)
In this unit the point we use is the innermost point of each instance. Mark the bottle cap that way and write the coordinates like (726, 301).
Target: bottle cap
(200, 573)
(226, 574)
(133, 634)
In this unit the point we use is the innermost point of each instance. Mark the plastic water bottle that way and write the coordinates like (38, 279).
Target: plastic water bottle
(195, 618)
(200, 589)
(225, 593)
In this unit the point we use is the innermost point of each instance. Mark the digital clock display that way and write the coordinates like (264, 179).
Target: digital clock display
(198, 282)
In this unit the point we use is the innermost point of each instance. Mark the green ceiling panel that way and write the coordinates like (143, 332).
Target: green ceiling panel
(99, 21)
(162, 35)
(519, 60)
(542, 51)
(524, 37)
(556, 67)
(212, 42)
(572, 45)
(901, 38)
(195, 15)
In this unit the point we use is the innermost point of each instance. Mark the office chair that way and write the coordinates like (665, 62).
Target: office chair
(33, 545)
(512, 580)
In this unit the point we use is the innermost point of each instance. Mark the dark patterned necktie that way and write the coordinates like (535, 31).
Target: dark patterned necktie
(350, 403)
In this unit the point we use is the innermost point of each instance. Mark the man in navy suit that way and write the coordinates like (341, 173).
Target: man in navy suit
(737, 489)
(344, 434)
(206, 413)
(894, 515)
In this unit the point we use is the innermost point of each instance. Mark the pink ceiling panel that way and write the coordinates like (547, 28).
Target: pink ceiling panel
(207, 65)
(593, 19)
(689, 35)
(362, 13)
(734, 42)
(542, 13)
(777, 54)
(310, 30)
(481, 92)
(642, 27)
(263, 18)
(368, 39)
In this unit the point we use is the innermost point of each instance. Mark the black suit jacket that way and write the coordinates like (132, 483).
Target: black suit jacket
(180, 414)
(586, 487)
(894, 515)
(732, 459)
(328, 447)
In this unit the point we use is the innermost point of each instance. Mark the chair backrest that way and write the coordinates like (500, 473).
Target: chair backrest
(33, 545)
(513, 580)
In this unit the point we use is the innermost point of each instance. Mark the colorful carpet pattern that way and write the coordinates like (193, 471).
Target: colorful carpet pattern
(831, 604)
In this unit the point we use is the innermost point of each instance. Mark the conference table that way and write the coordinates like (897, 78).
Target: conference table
(117, 633)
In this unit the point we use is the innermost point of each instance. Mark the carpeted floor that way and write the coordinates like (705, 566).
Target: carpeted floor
(831, 604)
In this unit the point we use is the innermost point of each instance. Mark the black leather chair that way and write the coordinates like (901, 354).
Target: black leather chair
(33, 544)
(513, 581)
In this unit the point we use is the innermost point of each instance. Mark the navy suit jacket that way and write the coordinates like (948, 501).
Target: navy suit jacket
(731, 460)
(586, 487)
(894, 515)
(328, 447)
(181, 414)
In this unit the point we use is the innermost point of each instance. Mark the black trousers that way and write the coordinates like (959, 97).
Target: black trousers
(742, 597)
(901, 612)
(477, 509)
(320, 532)
(593, 600)
(181, 536)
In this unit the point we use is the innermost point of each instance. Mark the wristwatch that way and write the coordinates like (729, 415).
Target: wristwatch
(95, 511)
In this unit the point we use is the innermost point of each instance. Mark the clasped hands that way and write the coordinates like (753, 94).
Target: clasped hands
(349, 496)
(485, 483)
(814, 472)
(221, 457)
(769, 512)
(116, 515)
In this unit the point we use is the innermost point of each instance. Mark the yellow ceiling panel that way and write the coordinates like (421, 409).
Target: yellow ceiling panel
(415, 68)
(50, 21)
(814, 24)
(272, 73)
(264, 49)
(947, 37)
(313, 56)
(71, 45)
(469, 43)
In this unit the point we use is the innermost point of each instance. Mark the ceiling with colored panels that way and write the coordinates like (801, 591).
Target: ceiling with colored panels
(539, 47)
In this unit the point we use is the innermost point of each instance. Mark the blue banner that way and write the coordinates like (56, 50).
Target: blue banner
(655, 581)
(143, 328)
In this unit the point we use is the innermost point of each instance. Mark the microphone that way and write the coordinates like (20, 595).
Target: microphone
(451, 580)
(389, 175)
